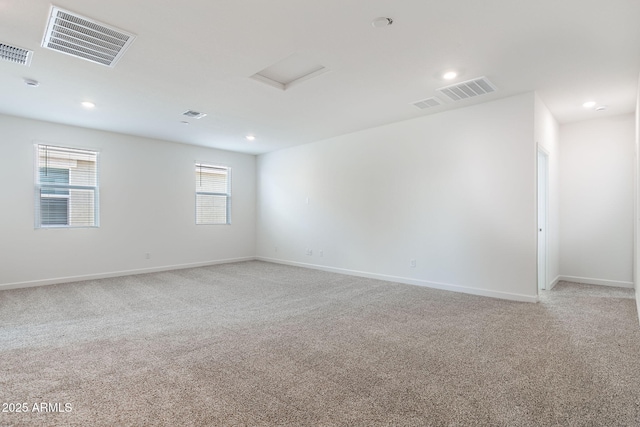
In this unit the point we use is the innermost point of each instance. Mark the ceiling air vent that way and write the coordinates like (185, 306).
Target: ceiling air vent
(15, 54)
(193, 114)
(427, 103)
(468, 89)
(85, 38)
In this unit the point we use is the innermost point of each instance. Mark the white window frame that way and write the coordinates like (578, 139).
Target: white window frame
(58, 186)
(226, 194)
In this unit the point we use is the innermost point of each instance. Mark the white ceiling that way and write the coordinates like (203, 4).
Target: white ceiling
(200, 55)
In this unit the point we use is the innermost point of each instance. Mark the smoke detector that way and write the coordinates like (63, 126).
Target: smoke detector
(381, 22)
(85, 38)
(31, 82)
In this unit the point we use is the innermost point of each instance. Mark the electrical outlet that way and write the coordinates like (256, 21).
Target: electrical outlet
(412, 263)
(321, 253)
(309, 252)
(147, 255)
(276, 249)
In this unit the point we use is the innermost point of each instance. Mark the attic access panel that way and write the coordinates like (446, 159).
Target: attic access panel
(292, 70)
(85, 38)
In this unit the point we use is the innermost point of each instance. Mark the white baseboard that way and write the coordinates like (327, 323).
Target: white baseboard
(601, 282)
(554, 283)
(409, 281)
(44, 282)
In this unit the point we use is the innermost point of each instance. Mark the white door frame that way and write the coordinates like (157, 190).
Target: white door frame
(542, 214)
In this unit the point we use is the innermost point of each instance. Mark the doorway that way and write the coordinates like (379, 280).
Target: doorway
(543, 201)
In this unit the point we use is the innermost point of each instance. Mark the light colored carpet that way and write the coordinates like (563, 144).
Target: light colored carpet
(261, 344)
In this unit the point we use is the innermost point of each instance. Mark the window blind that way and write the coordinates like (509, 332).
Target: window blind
(213, 194)
(66, 187)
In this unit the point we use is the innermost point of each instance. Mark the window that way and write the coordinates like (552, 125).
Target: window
(213, 194)
(66, 187)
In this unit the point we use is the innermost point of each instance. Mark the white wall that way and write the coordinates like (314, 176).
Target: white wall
(637, 212)
(455, 191)
(547, 136)
(147, 206)
(596, 200)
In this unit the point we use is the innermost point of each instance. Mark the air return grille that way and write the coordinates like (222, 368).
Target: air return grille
(468, 89)
(427, 103)
(194, 114)
(15, 54)
(85, 38)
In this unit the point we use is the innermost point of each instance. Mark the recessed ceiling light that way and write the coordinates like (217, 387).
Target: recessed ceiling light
(88, 104)
(450, 75)
(589, 104)
(381, 22)
(184, 122)
(31, 82)
(250, 138)
(601, 107)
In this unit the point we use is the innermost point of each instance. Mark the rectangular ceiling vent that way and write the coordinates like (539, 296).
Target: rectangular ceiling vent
(428, 103)
(468, 89)
(194, 114)
(85, 38)
(15, 54)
